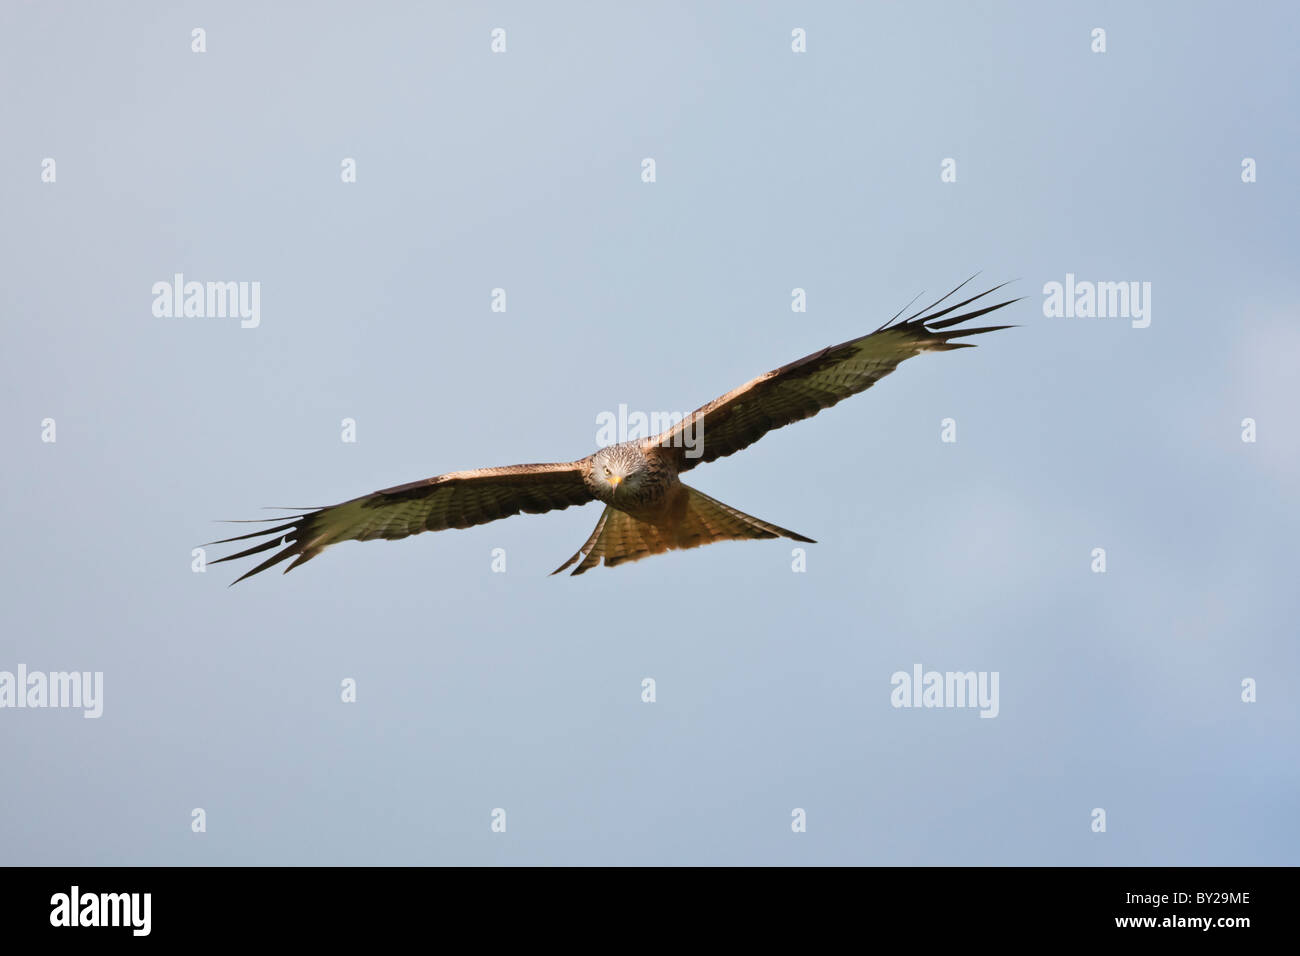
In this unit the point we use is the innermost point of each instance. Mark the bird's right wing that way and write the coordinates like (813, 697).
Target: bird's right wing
(456, 500)
(806, 386)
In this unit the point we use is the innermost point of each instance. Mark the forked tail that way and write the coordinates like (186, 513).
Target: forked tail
(691, 521)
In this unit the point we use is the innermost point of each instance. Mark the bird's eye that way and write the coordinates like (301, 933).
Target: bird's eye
(607, 471)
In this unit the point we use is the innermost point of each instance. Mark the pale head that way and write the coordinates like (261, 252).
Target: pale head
(619, 469)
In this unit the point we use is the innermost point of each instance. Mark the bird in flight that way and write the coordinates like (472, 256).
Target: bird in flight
(648, 510)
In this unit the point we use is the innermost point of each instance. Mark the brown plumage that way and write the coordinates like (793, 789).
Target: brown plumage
(687, 519)
(648, 510)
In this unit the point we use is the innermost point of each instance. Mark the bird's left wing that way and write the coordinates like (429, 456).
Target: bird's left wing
(804, 387)
(456, 500)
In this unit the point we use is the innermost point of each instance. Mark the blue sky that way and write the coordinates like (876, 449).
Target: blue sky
(774, 171)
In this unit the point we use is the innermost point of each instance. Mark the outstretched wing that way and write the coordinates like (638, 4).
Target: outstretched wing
(456, 500)
(804, 387)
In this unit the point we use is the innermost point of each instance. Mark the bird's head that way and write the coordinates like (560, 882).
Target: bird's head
(618, 467)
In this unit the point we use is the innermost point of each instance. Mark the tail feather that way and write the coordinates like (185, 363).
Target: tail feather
(692, 521)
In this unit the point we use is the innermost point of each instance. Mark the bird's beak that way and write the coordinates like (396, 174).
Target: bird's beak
(615, 481)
